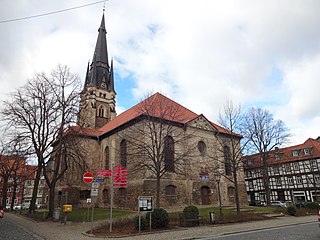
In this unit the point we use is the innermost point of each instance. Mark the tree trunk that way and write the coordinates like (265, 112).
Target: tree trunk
(35, 190)
(236, 189)
(51, 200)
(158, 193)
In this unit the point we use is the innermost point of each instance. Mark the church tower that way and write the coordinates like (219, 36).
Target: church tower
(97, 99)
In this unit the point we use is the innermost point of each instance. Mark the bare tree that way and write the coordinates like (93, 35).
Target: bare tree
(158, 142)
(264, 133)
(41, 111)
(231, 146)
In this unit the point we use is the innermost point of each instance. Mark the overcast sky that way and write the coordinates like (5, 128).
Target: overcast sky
(259, 53)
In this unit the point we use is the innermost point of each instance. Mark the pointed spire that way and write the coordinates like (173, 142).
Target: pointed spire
(100, 74)
(87, 75)
(111, 77)
(101, 50)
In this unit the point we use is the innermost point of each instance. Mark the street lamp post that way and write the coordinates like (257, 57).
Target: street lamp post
(217, 176)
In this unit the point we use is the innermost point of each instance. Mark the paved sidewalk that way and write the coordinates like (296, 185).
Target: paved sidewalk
(54, 230)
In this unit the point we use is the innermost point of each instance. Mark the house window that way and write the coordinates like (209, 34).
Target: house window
(202, 147)
(296, 166)
(15, 201)
(295, 153)
(8, 201)
(287, 167)
(299, 179)
(9, 189)
(313, 163)
(290, 181)
(123, 153)
(10, 179)
(277, 156)
(169, 154)
(316, 179)
(101, 111)
(248, 173)
(227, 160)
(307, 151)
(170, 192)
(278, 181)
(250, 183)
(276, 170)
(107, 158)
(17, 189)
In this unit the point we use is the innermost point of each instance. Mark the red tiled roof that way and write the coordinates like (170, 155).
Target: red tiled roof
(286, 153)
(85, 131)
(156, 105)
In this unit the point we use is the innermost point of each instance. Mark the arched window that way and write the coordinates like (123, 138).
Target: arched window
(227, 160)
(123, 153)
(202, 147)
(231, 191)
(169, 154)
(170, 192)
(101, 111)
(107, 158)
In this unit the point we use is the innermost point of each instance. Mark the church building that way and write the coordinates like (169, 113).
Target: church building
(156, 148)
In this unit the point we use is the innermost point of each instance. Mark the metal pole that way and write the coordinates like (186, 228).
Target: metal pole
(111, 202)
(92, 212)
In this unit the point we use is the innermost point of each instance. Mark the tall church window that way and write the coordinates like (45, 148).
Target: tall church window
(107, 158)
(170, 192)
(201, 147)
(123, 153)
(227, 160)
(101, 111)
(169, 154)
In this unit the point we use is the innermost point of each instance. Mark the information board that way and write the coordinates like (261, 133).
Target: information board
(145, 204)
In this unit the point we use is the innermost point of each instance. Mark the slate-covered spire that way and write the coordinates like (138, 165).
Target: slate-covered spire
(100, 73)
(101, 50)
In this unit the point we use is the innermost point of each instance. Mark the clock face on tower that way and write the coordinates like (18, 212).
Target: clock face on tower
(103, 84)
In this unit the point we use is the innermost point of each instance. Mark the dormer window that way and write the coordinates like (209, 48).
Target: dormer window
(307, 151)
(295, 153)
(277, 156)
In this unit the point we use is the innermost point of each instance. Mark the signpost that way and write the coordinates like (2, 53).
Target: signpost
(88, 177)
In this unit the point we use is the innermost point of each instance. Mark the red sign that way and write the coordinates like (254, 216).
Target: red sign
(104, 173)
(119, 176)
(88, 177)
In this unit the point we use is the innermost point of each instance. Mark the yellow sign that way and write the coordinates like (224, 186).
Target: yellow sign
(67, 208)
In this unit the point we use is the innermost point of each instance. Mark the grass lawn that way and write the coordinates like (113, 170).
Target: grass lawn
(85, 214)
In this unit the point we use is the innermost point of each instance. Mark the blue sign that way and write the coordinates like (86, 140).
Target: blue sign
(99, 180)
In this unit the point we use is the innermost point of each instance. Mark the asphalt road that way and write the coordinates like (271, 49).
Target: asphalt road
(309, 231)
(12, 231)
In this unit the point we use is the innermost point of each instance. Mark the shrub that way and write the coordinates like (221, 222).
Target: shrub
(159, 218)
(191, 212)
(292, 210)
(312, 205)
(143, 223)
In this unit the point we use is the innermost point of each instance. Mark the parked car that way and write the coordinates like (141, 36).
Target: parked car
(319, 218)
(278, 204)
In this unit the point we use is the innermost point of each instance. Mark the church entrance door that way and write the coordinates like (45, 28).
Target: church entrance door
(205, 191)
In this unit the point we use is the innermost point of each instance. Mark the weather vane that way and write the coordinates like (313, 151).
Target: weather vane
(104, 5)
